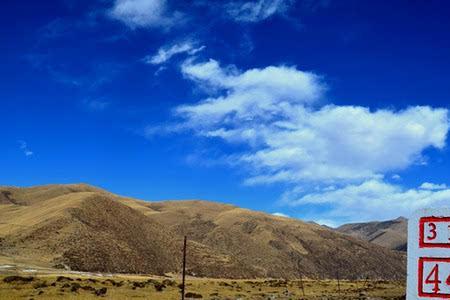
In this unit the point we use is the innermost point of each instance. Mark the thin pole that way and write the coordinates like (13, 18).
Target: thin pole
(337, 271)
(301, 282)
(365, 282)
(339, 285)
(299, 264)
(184, 269)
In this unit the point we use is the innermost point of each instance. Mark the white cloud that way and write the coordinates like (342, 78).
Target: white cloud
(273, 111)
(396, 177)
(279, 214)
(144, 13)
(159, 70)
(24, 147)
(167, 52)
(256, 11)
(246, 96)
(347, 142)
(326, 222)
(373, 199)
(290, 136)
(433, 186)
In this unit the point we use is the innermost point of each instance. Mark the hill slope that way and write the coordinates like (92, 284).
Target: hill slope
(84, 228)
(89, 229)
(390, 234)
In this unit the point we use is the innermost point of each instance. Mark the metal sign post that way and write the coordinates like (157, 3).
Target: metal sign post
(429, 255)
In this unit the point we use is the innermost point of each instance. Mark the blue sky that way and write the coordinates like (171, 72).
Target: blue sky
(333, 111)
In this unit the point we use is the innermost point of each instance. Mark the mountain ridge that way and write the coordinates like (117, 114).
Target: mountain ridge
(90, 229)
(391, 234)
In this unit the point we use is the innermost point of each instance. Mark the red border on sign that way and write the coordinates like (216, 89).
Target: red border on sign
(422, 243)
(420, 277)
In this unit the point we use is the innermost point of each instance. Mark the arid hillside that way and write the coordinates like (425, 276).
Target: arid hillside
(390, 234)
(83, 228)
(88, 229)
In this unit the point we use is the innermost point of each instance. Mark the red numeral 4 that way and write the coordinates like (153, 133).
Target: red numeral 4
(433, 278)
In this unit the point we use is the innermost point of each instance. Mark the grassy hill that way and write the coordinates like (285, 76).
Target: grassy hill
(88, 229)
(390, 234)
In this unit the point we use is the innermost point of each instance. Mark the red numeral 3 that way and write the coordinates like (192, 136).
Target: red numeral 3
(432, 231)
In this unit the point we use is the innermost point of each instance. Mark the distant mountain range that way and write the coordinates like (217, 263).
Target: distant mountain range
(390, 234)
(89, 229)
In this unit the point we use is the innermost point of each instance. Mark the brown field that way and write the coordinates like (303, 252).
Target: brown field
(49, 234)
(139, 287)
(84, 228)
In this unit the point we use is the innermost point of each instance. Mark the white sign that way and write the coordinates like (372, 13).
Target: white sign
(429, 255)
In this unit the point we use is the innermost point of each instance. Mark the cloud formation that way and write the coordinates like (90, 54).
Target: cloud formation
(24, 147)
(256, 11)
(158, 14)
(279, 214)
(433, 186)
(165, 53)
(144, 13)
(396, 177)
(242, 98)
(274, 111)
(371, 200)
(327, 155)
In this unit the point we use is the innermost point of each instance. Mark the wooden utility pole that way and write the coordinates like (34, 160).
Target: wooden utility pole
(337, 271)
(365, 282)
(184, 269)
(339, 284)
(302, 287)
(301, 277)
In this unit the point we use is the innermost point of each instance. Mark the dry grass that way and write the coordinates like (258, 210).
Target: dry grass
(390, 234)
(88, 229)
(137, 287)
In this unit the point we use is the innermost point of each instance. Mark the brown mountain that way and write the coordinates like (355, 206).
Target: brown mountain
(89, 229)
(390, 234)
